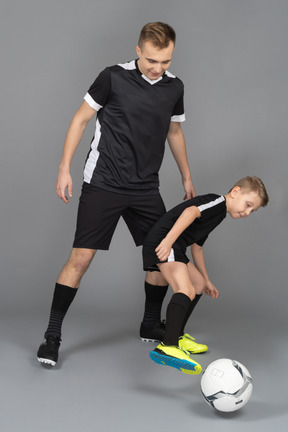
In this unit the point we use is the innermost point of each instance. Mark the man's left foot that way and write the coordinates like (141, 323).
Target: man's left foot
(152, 333)
(48, 350)
(188, 343)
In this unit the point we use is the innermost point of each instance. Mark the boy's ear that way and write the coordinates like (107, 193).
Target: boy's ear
(235, 191)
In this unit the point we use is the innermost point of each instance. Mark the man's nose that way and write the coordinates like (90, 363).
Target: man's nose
(158, 68)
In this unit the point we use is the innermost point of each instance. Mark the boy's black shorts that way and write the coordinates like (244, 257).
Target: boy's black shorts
(150, 259)
(100, 210)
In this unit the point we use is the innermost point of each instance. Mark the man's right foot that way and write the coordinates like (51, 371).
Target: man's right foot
(176, 357)
(48, 350)
(152, 333)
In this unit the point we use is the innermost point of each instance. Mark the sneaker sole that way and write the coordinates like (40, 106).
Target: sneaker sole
(182, 365)
(46, 361)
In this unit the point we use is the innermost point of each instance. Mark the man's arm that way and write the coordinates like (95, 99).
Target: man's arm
(72, 140)
(177, 145)
(199, 262)
(186, 218)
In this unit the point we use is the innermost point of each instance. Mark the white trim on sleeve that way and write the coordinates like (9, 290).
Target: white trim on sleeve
(92, 103)
(178, 118)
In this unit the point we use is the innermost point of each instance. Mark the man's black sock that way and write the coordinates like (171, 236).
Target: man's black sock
(155, 295)
(176, 313)
(62, 299)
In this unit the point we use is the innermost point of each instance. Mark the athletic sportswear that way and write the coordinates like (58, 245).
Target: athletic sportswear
(100, 210)
(213, 210)
(48, 350)
(134, 114)
(176, 357)
(188, 343)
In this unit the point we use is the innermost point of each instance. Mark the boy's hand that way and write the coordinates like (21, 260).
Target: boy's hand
(163, 250)
(211, 290)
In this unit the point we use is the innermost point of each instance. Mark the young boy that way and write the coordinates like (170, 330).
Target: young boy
(164, 250)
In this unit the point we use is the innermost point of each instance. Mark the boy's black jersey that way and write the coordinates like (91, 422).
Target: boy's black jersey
(213, 210)
(134, 114)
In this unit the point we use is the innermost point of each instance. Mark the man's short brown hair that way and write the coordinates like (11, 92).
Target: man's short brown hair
(158, 33)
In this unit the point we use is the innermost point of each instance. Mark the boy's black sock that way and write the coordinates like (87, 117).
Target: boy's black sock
(176, 313)
(190, 310)
(155, 295)
(62, 299)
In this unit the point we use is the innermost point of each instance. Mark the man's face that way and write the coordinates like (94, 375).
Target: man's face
(153, 61)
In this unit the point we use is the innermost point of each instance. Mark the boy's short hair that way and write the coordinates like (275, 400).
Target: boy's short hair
(158, 33)
(254, 184)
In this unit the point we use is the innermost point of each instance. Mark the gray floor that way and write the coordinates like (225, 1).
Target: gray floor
(105, 381)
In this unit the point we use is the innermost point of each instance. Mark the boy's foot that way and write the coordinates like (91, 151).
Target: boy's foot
(48, 350)
(152, 333)
(188, 343)
(174, 356)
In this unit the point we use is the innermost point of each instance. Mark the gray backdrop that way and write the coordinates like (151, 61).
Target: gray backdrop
(232, 57)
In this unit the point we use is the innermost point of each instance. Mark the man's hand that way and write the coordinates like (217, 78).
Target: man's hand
(189, 189)
(64, 181)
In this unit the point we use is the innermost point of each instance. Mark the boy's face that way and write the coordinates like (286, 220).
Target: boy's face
(242, 203)
(153, 61)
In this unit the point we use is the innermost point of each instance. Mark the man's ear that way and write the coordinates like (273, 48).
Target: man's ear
(138, 50)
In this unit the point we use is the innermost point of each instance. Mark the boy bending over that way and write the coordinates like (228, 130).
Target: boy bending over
(164, 250)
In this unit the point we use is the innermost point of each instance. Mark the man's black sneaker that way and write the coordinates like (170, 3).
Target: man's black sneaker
(152, 333)
(48, 350)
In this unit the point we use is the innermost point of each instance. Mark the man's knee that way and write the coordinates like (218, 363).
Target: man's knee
(80, 259)
(155, 278)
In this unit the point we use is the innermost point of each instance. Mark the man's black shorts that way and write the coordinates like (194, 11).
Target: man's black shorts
(100, 210)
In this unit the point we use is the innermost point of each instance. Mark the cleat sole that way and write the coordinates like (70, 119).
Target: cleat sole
(182, 365)
(46, 361)
(150, 340)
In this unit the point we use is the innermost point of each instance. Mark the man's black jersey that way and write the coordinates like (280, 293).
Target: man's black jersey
(134, 114)
(213, 210)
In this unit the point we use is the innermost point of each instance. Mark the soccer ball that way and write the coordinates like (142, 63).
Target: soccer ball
(226, 385)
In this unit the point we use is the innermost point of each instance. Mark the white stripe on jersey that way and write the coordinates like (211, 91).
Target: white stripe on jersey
(169, 74)
(92, 103)
(211, 204)
(128, 66)
(171, 256)
(93, 155)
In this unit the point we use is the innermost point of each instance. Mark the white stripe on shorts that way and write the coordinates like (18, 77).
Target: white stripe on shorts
(171, 256)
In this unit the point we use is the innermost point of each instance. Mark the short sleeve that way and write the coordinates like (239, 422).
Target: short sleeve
(178, 114)
(99, 91)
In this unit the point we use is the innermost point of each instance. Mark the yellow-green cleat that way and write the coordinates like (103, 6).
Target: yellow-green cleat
(176, 357)
(188, 343)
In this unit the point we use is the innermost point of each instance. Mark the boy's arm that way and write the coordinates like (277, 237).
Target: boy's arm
(72, 140)
(186, 218)
(199, 262)
(177, 145)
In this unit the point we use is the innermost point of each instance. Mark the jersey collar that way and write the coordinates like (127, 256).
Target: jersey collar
(152, 82)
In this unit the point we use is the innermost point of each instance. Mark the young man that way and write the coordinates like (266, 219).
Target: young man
(138, 105)
(164, 250)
